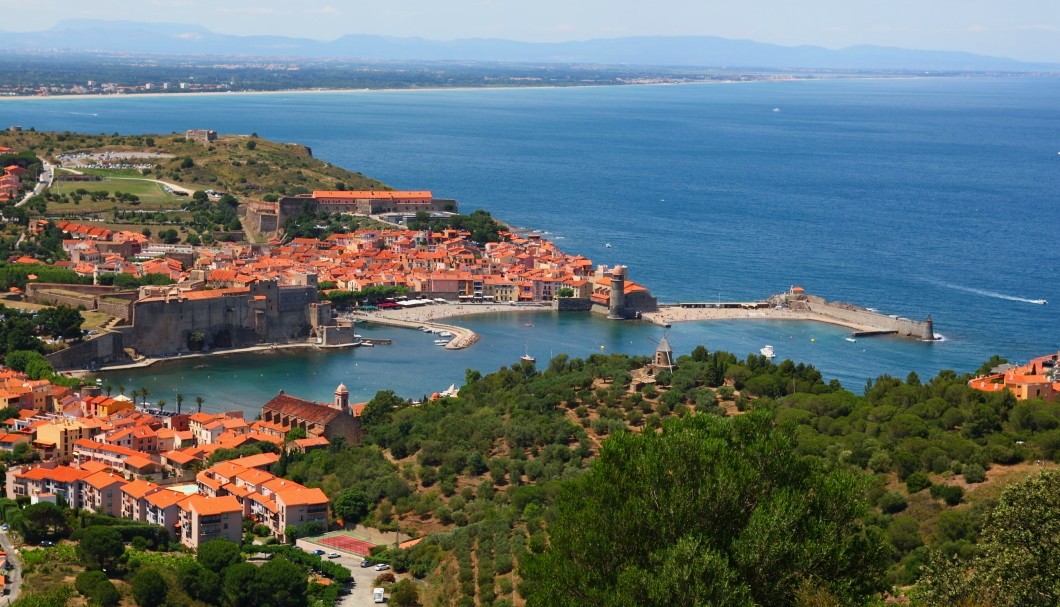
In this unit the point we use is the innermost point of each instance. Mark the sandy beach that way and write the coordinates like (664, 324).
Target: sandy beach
(429, 316)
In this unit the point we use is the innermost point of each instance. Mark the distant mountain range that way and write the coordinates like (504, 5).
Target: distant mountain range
(683, 51)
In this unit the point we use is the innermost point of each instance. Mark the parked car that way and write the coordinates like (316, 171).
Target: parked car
(333, 555)
(382, 567)
(318, 552)
(366, 563)
(4, 527)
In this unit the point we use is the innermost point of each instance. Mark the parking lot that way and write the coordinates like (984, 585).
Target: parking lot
(361, 594)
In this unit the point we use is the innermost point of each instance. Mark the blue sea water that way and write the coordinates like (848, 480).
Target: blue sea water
(913, 196)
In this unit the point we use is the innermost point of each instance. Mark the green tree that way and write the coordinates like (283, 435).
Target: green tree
(380, 407)
(295, 434)
(100, 547)
(351, 506)
(216, 555)
(718, 511)
(149, 588)
(43, 520)
(199, 582)
(240, 586)
(565, 292)
(405, 594)
(1018, 547)
(281, 583)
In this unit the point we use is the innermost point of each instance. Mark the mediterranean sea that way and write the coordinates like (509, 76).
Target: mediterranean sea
(913, 196)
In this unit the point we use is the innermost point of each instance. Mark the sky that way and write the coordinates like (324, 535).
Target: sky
(1028, 30)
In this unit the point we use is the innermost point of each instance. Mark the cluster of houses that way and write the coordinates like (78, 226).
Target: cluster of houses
(106, 455)
(1038, 379)
(521, 268)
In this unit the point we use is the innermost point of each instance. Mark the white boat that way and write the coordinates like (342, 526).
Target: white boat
(852, 340)
(445, 334)
(526, 356)
(367, 344)
(607, 245)
(1040, 302)
(441, 342)
(768, 352)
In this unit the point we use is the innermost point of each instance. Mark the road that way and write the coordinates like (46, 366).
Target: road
(361, 593)
(14, 586)
(47, 175)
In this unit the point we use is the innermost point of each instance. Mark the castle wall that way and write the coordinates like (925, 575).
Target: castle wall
(103, 349)
(161, 327)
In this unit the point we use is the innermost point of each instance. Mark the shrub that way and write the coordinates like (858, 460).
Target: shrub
(892, 503)
(87, 580)
(917, 482)
(951, 494)
(974, 473)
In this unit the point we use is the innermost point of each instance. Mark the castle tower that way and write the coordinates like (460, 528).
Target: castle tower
(342, 398)
(664, 355)
(616, 310)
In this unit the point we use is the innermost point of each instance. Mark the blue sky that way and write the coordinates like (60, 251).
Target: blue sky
(1021, 29)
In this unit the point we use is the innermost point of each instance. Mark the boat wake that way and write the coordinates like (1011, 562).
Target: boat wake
(986, 293)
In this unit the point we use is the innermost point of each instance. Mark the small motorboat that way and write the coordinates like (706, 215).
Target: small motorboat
(852, 340)
(768, 352)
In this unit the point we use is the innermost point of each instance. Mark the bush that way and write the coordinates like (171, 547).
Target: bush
(892, 503)
(917, 482)
(87, 580)
(951, 494)
(974, 473)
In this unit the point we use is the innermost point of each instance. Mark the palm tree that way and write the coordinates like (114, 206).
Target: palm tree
(199, 401)
(121, 389)
(144, 393)
(108, 389)
(180, 401)
(161, 405)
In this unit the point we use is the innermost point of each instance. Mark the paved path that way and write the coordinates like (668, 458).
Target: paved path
(47, 175)
(14, 586)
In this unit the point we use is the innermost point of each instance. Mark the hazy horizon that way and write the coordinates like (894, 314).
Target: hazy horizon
(1029, 31)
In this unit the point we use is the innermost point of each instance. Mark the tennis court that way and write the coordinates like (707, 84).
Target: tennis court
(344, 541)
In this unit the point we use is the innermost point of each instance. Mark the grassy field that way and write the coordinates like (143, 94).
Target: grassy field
(153, 196)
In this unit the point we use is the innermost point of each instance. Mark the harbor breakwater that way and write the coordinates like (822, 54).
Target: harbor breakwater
(798, 305)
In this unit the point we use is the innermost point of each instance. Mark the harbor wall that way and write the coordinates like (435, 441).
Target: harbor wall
(573, 304)
(900, 326)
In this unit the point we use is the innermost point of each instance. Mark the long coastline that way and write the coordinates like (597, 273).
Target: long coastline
(315, 91)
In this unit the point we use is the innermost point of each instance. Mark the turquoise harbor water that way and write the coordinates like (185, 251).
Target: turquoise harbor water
(916, 197)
